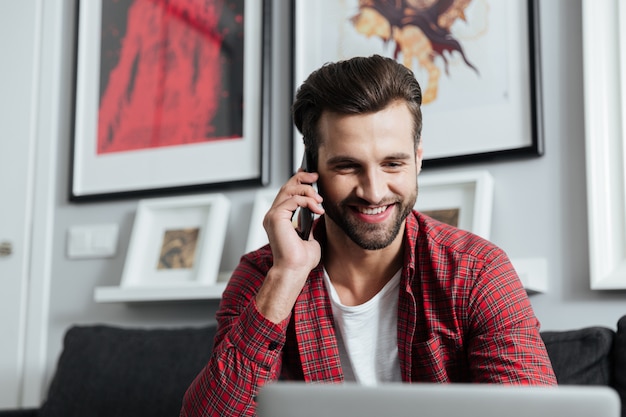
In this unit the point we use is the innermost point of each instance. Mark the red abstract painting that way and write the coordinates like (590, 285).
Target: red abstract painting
(171, 73)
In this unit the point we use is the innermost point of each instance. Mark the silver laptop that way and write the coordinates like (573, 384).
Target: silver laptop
(289, 399)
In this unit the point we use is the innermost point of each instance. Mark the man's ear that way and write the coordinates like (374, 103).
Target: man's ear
(418, 157)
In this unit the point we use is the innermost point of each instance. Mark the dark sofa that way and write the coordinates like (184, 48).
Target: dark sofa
(108, 371)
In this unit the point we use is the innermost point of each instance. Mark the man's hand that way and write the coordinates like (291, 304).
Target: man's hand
(294, 258)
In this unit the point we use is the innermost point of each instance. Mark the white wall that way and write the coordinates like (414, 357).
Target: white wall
(539, 204)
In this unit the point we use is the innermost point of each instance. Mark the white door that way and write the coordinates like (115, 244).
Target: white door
(19, 33)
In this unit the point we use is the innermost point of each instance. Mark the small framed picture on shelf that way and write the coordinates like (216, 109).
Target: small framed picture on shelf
(177, 241)
(462, 199)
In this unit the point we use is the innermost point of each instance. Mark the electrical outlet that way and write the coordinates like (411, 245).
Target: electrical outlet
(92, 241)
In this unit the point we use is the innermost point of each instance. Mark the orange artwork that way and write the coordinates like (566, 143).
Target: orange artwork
(178, 250)
(420, 30)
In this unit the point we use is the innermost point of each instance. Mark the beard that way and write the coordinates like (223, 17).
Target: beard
(369, 236)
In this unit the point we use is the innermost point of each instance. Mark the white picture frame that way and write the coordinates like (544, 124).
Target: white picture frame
(469, 192)
(604, 62)
(206, 214)
(181, 160)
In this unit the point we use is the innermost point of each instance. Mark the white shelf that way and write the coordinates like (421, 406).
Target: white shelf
(141, 293)
(161, 293)
(533, 272)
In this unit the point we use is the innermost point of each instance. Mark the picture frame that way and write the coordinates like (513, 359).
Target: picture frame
(494, 104)
(176, 242)
(604, 60)
(185, 114)
(463, 199)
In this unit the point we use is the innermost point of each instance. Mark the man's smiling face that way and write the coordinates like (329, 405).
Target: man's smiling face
(368, 170)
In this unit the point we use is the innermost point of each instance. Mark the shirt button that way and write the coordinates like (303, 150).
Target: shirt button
(273, 346)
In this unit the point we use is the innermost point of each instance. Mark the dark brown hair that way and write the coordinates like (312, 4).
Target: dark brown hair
(354, 86)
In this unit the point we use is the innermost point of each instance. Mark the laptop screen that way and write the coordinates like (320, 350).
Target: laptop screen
(289, 399)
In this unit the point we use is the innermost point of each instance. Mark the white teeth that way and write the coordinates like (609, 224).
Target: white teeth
(370, 211)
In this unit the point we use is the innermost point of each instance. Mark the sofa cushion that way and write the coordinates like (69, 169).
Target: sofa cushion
(619, 362)
(107, 371)
(581, 357)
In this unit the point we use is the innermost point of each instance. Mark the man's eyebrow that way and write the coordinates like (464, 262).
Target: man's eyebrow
(399, 155)
(342, 159)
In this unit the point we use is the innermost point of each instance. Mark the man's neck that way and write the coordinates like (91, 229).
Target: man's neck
(359, 274)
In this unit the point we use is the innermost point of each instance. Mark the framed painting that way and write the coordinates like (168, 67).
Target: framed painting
(171, 97)
(604, 60)
(477, 62)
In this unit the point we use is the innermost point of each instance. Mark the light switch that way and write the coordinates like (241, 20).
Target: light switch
(92, 241)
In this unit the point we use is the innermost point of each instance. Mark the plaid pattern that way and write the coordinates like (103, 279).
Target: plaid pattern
(463, 316)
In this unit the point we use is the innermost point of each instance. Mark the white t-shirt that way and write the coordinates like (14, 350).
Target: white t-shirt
(368, 335)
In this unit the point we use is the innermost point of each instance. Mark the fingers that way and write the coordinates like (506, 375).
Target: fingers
(296, 193)
(289, 250)
(299, 185)
(285, 209)
(297, 201)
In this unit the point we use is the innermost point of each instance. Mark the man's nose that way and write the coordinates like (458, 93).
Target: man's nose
(372, 186)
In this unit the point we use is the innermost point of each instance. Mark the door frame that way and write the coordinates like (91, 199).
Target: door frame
(57, 22)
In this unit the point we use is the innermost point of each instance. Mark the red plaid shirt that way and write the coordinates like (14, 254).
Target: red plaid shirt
(463, 316)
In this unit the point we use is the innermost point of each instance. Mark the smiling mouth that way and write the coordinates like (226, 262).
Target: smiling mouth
(371, 210)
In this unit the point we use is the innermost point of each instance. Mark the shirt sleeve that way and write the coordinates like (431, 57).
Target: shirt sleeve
(505, 345)
(246, 354)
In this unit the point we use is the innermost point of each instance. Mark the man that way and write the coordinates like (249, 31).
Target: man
(379, 292)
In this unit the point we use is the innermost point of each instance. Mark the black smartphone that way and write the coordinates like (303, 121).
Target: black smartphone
(305, 216)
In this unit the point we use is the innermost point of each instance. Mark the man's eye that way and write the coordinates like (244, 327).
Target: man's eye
(346, 167)
(393, 164)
